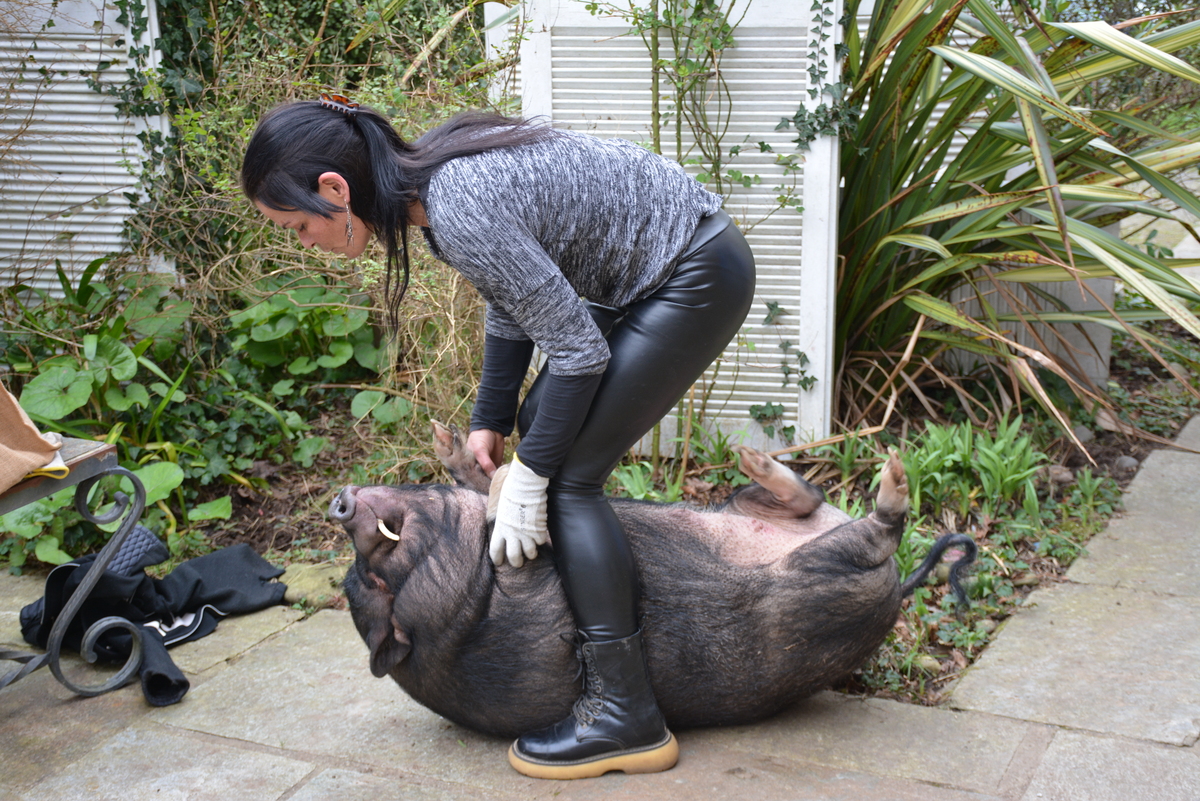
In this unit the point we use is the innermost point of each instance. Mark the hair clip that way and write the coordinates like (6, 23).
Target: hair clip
(339, 103)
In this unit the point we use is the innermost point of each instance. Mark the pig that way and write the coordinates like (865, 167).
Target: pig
(746, 608)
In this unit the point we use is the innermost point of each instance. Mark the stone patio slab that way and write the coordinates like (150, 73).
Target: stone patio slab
(715, 768)
(1094, 658)
(885, 738)
(234, 635)
(1082, 767)
(44, 727)
(309, 689)
(153, 763)
(1166, 483)
(1149, 555)
(347, 785)
(16, 592)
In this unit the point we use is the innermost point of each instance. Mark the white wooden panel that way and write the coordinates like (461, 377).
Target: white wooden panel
(585, 72)
(63, 183)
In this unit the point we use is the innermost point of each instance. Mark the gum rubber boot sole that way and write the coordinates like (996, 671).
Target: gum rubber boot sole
(652, 759)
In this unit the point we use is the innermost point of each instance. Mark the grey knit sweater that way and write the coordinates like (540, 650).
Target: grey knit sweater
(536, 227)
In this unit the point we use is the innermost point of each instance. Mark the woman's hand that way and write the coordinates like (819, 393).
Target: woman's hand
(488, 447)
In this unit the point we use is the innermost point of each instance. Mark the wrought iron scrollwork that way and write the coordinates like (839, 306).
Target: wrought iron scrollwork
(128, 512)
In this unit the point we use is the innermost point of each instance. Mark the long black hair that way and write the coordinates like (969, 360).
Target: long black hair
(295, 144)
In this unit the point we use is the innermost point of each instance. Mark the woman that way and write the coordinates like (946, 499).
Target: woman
(537, 219)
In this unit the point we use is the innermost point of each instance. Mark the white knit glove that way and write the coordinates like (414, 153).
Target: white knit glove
(520, 516)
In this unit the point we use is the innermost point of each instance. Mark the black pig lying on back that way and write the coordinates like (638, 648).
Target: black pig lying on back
(746, 608)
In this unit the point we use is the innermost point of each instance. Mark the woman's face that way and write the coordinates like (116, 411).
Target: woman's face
(326, 233)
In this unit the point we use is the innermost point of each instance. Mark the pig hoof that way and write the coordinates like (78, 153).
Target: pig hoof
(893, 487)
(788, 489)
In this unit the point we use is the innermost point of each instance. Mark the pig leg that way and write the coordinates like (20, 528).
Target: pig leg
(779, 492)
(451, 451)
(892, 501)
(871, 541)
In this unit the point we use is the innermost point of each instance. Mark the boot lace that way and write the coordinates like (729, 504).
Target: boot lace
(590, 705)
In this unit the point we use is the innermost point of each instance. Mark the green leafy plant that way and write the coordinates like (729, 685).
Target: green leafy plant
(975, 169)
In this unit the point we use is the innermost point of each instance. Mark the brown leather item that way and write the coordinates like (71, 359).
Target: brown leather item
(22, 449)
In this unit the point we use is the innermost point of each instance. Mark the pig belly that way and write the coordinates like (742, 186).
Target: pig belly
(754, 542)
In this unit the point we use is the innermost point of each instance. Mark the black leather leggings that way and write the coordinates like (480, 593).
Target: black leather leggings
(659, 347)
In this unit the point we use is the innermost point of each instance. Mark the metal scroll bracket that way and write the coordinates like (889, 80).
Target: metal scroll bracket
(128, 512)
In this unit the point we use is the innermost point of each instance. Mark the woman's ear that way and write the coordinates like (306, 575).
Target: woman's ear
(334, 188)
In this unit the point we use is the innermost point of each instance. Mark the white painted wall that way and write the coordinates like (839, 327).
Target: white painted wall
(63, 184)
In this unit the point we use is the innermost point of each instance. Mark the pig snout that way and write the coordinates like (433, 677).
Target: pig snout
(341, 510)
(354, 510)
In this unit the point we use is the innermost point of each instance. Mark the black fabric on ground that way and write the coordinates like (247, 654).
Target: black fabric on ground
(183, 606)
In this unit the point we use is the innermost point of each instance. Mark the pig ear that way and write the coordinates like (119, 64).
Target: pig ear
(389, 646)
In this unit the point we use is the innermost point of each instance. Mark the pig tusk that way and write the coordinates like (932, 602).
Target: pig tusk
(385, 531)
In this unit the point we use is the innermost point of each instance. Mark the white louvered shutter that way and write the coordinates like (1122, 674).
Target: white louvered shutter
(583, 72)
(70, 160)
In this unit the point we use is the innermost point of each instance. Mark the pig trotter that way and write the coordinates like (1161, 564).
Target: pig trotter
(892, 501)
(788, 491)
(451, 450)
(615, 724)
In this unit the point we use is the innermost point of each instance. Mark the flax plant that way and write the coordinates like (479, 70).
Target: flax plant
(973, 170)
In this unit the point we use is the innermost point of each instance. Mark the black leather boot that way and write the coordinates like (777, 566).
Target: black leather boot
(615, 724)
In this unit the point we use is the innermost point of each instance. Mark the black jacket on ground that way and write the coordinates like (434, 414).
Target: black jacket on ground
(183, 606)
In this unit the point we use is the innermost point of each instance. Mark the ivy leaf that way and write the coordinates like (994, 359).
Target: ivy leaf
(57, 392)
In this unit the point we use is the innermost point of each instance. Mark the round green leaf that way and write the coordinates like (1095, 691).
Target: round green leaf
(57, 392)
(121, 399)
(365, 401)
(275, 329)
(219, 509)
(113, 359)
(47, 550)
(269, 353)
(344, 322)
(302, 366)
(339, 353)
(393, 411)
(158, 478)
(369, 356)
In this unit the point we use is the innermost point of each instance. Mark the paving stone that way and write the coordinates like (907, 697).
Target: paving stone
(1082, 767)
(309, 689)
(317, 584)
(44, 727)
(153, 763)
(885, 738)
(714, 768)
(1166, 483)
(348, 785)
(1094, 658)
(1189, 437)
(1138, 553)
(234, 636)
(16, 592)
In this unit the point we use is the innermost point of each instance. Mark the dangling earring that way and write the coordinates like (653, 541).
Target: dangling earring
(349, 227)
